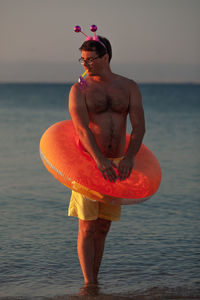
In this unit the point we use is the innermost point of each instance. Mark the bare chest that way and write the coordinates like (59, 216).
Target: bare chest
(103, 101)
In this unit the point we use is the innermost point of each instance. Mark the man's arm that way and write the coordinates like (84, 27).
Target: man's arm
(80, 117)
(137, 119)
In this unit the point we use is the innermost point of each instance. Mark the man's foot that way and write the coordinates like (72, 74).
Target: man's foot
(90, 289)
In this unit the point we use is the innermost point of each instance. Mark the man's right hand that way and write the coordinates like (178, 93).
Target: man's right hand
(106, 167)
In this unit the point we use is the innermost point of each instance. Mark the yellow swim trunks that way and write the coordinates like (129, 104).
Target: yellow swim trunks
(87, 209)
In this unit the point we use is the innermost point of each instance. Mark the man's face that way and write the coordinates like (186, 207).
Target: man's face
(91, 62)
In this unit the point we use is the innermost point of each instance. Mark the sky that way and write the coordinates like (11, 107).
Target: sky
(152, 40)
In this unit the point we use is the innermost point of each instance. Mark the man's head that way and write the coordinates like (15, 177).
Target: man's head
(97, 47)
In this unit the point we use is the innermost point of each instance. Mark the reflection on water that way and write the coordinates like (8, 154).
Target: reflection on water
(94, 293)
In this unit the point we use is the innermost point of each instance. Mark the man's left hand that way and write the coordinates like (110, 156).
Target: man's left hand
(125, 168)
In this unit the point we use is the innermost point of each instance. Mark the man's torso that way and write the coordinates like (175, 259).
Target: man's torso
(108, 106)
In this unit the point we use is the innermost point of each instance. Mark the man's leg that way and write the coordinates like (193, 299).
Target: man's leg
(85, 247)
(102, 228)
(91, 239)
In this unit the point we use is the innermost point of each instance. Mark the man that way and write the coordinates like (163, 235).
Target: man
(99, 114)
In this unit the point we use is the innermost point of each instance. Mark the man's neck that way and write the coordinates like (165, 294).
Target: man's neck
(105, 76)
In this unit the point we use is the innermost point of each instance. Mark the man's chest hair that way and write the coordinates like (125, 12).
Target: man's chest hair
(102, 100)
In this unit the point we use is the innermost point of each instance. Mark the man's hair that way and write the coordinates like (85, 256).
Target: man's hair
(98, 47)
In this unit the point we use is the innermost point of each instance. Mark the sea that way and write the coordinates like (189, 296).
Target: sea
(152, 253)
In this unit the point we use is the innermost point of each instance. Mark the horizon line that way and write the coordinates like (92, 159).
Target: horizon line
(69, 82)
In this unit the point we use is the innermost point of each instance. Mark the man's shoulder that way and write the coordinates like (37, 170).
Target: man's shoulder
(76, 93)
(127, 82)
(75, 87)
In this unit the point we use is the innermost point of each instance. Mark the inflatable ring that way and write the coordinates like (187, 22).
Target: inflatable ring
(67, 161)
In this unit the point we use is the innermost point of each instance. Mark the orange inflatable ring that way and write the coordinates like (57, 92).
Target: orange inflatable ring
(67, 161)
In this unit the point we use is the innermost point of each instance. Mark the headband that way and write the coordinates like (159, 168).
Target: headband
(95, 38)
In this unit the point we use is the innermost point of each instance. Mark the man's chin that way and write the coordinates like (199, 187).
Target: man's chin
(91, 73)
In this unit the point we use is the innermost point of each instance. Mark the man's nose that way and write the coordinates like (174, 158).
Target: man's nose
(85, 63)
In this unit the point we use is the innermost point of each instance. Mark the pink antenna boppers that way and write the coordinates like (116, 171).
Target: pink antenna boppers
(77, 29)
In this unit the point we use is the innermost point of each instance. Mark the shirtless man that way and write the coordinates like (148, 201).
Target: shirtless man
(99, 114)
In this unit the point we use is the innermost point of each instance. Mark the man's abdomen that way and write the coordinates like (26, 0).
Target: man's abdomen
(109, 130)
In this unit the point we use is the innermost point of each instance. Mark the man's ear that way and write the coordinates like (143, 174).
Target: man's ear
(106, 58)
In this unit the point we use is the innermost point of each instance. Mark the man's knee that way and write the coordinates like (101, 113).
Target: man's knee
(103, 226)
(87, 228)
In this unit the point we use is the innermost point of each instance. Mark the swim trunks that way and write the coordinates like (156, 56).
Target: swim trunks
(87, 209)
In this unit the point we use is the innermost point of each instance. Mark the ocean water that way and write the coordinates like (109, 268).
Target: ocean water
(152, 253)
